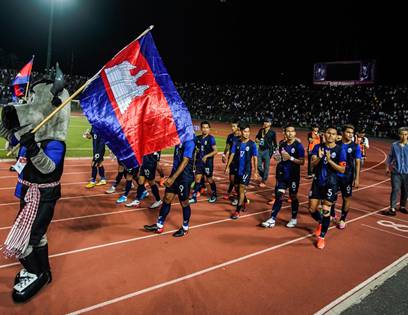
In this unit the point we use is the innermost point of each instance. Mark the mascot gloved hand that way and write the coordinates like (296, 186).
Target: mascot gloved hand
(28, 140)
(9, 118)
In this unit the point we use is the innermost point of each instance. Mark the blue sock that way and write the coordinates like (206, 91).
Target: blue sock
(128, 187)
(164, 211)
(93, 174)
(140, 190)
(230, 187)
(333, 210)
(214, 189)
(197, 187)
(277, 204)
(155, 192)
(317, 216)
(186, 216)
(295, 208)
(102, 172)
(118, 178)
(325, 225)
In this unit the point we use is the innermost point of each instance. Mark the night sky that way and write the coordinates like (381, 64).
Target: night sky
(211, 41)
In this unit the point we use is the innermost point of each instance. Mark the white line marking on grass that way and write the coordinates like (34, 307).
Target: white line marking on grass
(200, 272)
(356, 294)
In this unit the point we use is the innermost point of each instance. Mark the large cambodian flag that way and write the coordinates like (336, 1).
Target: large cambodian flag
(133, 104)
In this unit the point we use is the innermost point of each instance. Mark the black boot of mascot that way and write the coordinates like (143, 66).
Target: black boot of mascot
(31, 279)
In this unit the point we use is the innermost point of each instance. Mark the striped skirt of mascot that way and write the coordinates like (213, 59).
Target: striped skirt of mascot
(40, 165)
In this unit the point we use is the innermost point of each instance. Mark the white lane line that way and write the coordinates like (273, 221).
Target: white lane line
(379, 215)
(62, 184)
(106, 213)
(141, 237)
(91, 196)
(374, 166)
(69, 173)
(118, 212)
(385, 231)
(201, 272)
(356, 294)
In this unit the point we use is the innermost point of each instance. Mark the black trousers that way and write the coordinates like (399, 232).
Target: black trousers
(42, 220)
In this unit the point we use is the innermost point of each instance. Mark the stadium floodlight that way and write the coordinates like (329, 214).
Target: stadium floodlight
(50, 28)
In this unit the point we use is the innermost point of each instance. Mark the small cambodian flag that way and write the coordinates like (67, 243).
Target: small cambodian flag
(22, 78)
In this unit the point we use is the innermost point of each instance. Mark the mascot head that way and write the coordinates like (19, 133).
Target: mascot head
(45, 96)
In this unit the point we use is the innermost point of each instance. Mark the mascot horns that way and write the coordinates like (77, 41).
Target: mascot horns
(59, 81)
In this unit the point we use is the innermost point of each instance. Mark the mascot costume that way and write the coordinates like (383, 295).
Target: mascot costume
(40, 164)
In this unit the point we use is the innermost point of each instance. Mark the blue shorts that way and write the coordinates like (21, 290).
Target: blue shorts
(98, 155)
(181, 188)
(206, 168)
(345, 184)
(132, 171)
(292, 185)
(148, 171)
(324, 192)
(243, 180)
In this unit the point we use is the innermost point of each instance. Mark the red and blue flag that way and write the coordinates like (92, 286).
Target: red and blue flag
(22, 78)
(134, 106)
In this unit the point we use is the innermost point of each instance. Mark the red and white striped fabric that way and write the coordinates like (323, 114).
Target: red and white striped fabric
(19, 236)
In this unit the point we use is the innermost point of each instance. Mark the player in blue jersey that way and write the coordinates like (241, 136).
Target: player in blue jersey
(328, 160)
(179, 182)
(245, 154)
(206, 149)
(290, 155)
(147, 174)
(98, 147)
(231, 139)
(351, 175)
(130, 175)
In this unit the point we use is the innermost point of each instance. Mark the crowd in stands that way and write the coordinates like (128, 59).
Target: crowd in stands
(379, 109)
(7, 76)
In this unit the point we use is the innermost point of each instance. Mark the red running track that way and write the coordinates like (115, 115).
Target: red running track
(103, 262)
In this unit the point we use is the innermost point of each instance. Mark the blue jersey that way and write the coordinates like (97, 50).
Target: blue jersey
(182, 150)
(323, 170)
(243, 153)
(151, 159)
(353, 152)
(287, 170)
(231, 139)
(204, 146)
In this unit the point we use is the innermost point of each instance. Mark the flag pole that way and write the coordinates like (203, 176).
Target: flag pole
(28, 83)
(69, 99)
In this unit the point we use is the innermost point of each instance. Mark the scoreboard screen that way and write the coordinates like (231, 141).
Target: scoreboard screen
(344, 72)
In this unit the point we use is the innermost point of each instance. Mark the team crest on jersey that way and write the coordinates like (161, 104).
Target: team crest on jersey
(349, 150)
(247, 149)
(205, 142)
(333, 155)
(293, 150)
